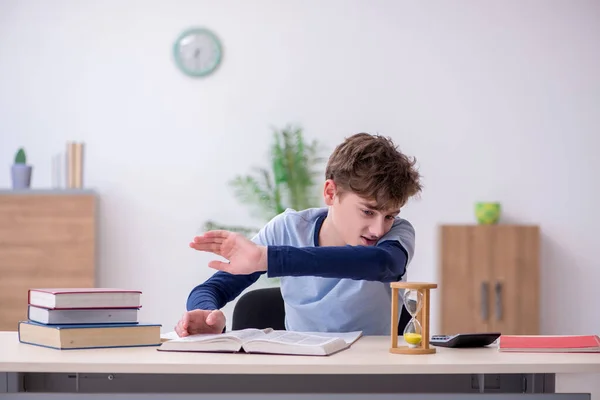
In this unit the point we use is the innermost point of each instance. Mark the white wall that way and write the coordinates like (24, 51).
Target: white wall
(497, 101)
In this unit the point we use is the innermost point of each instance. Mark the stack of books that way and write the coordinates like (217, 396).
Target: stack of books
(83, 318)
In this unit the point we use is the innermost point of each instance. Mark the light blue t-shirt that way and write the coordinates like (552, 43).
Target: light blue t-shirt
(318, 304)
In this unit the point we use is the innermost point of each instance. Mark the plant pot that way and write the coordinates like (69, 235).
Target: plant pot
(21, 176)
(487, 213)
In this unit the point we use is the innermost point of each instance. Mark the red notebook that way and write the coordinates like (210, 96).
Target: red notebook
(550, 343)
(77, 298)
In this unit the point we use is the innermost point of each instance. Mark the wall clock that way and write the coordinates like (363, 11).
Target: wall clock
(197, 52)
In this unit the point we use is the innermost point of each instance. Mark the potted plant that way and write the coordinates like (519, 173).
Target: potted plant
(20, 171)
(290, 182)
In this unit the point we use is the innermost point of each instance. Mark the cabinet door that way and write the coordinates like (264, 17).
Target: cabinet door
(465, 277)
(45, 241)
(516, 280)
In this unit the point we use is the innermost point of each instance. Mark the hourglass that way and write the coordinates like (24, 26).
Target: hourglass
(416, 300)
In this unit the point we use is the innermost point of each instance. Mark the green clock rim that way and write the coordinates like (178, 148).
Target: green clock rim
(203, 31)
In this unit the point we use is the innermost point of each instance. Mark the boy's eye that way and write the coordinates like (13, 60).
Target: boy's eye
(368, 212)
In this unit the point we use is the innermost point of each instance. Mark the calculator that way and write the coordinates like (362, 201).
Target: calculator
(464, 340)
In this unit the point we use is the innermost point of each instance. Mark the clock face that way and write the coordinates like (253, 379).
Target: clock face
(197, 52)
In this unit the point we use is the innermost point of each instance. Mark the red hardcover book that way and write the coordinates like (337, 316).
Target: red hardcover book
(550, 343)
(78, 298)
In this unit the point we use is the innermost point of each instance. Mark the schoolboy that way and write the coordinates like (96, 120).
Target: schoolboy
(335, 262)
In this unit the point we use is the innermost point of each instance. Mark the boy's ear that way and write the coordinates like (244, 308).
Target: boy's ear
(329, 191)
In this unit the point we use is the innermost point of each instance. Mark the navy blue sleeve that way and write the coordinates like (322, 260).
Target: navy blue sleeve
(218, 290)
(385, 262)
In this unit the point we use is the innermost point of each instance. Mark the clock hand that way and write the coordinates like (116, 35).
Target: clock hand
(197, 58)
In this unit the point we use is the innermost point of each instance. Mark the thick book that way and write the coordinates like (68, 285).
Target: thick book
(83, 315)
(71, 298)
(70, 337)
(266, 341)
(549, 343)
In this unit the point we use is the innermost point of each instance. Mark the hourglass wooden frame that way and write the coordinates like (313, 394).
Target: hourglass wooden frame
(422, 316)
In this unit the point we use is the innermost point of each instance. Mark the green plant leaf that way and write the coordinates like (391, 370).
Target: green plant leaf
(299, 163)
(20, 157)
(277, 165)
(246, 231)
(254, 192)
(295, 167)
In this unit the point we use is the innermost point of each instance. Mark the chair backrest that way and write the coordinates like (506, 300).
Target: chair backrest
(260, 309)
(264, 308)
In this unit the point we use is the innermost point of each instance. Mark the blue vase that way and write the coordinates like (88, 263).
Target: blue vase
(21, 176)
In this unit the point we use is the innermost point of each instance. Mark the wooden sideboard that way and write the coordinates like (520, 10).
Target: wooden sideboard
(47, 239)
(490, 279)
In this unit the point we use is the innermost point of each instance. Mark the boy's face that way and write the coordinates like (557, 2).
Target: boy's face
(356, 221)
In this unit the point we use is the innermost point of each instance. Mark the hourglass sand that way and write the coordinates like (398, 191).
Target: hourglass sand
(416, 334)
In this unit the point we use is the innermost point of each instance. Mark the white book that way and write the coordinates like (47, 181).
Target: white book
(83, 316)
(69, 298)
(267, 341)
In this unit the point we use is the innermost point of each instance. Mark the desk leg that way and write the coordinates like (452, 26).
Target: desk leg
(481, 382)
(538, 383)
(511, 383)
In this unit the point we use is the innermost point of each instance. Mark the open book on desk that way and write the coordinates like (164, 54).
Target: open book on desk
(266, 341)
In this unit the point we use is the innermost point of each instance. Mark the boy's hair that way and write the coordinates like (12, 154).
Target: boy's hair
(371, 167)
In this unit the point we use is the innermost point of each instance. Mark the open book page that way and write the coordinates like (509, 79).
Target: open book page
(284, 342)
(230, 341)
(169, 336)
(240, 334)
(349, 337)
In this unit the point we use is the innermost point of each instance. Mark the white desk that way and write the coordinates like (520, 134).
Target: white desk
(367, 367)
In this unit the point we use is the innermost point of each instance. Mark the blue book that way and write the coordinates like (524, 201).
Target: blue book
(89, 336)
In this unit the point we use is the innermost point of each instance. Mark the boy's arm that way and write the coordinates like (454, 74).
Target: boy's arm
(218, 290)
(223, 287)
(385, 262)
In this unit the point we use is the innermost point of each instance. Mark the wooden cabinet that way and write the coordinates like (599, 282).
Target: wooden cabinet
(47, 239)
(489, 279)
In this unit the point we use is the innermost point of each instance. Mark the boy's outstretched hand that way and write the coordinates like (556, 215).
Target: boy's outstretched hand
(245, 257)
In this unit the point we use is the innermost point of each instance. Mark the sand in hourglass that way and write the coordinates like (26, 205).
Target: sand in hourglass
(413, 302)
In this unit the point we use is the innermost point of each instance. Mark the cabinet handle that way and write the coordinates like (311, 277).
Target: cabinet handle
(484, 301)
(498, 290)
